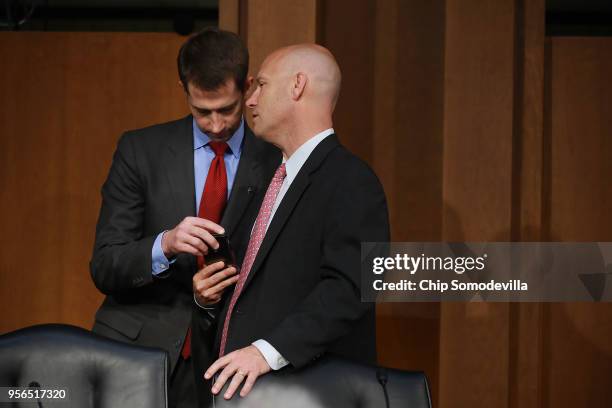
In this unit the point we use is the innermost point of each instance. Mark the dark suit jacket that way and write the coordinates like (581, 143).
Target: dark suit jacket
(149, 189)
(303, 292)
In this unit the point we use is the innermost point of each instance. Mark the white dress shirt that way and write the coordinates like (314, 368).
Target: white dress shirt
(292, 166)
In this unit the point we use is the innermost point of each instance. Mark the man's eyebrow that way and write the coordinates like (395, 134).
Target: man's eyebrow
(226, 107)
(230, 106)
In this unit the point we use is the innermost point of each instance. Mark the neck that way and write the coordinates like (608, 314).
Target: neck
(302, 133)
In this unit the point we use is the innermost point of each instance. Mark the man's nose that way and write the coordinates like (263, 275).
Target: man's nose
(216, 124)
(252, 101)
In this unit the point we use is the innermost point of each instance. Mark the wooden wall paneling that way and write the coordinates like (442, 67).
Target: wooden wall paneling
(526, 319)
(349, 32)
(31, 243)
(407, 155)
(229, 15)
(419, 110)
(66, 99)
(477, 190)
(578, 355)
(581, 119)
(385, 94)
(276, 23)
(530, 119)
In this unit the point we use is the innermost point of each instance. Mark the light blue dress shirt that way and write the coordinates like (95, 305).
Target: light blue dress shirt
(203, 155)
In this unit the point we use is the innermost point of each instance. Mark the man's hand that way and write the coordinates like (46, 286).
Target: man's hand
(191, 236)
(210, 282)
(240, 364)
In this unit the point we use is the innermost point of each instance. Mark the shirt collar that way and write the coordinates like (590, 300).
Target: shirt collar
(201, 139)
(294, 163)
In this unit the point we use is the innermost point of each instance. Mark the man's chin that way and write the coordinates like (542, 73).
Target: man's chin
(224, 137)
(257, 131)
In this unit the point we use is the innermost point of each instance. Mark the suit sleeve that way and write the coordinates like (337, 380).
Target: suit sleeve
(358, 213)
(122, 255)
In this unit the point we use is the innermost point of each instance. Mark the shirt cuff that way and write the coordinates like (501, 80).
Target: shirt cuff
(272, 356)
(209, 309)
(159, 262)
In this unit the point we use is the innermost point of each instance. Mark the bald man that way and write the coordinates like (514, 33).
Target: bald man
(298, 294)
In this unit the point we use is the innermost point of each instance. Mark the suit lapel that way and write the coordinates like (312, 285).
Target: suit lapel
(179, 168)
(246, 182)
(291, 199)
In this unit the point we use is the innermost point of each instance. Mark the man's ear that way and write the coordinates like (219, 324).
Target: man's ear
(182, 86)
(299, 85)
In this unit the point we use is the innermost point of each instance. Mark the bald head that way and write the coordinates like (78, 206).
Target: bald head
(296, 93)
(315, 62)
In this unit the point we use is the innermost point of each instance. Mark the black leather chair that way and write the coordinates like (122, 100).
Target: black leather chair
(94, 371)
(335, 383)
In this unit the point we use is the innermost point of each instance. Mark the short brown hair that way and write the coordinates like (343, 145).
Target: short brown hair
(210, 57)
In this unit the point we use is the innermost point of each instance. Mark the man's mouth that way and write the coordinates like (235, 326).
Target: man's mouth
(218, 136)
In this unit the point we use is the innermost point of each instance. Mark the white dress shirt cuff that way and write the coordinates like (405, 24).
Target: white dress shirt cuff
(209, 309)
(272, 356)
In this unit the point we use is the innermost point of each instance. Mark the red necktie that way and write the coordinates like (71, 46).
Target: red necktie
(259, 231)
(212, 203)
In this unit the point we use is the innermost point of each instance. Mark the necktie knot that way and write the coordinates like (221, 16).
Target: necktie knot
(218, 147)
(281, 172)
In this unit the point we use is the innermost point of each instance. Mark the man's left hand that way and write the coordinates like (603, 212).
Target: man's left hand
(247, 363)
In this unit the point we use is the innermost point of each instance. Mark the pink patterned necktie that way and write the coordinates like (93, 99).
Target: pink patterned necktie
(259, 231)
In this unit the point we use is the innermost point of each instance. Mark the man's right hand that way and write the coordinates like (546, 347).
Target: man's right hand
(210, 282)
(191, 236)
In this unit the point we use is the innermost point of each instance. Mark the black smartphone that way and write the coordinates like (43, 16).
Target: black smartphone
(224, 253)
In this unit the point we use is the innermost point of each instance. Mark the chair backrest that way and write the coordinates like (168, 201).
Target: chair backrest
(94, 371)
(337, 383)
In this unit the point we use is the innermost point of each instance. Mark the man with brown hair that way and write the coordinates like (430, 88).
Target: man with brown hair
(170, 187)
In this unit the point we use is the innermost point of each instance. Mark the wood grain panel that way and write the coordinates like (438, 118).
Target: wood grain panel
(477, 190)
(354, 51)
(526, 319)
(407, 155)
(581, 150)
(276, 23)
(229, 15)
(578, 360)
(66, 98)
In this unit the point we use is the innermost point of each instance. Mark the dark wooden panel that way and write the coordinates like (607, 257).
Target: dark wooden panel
(578, 360)
(276, 23)
(478, 164)
(354, 51)
(65, 99)
(229, 15)
(408, 106)
(581, 146)
(526, 319)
